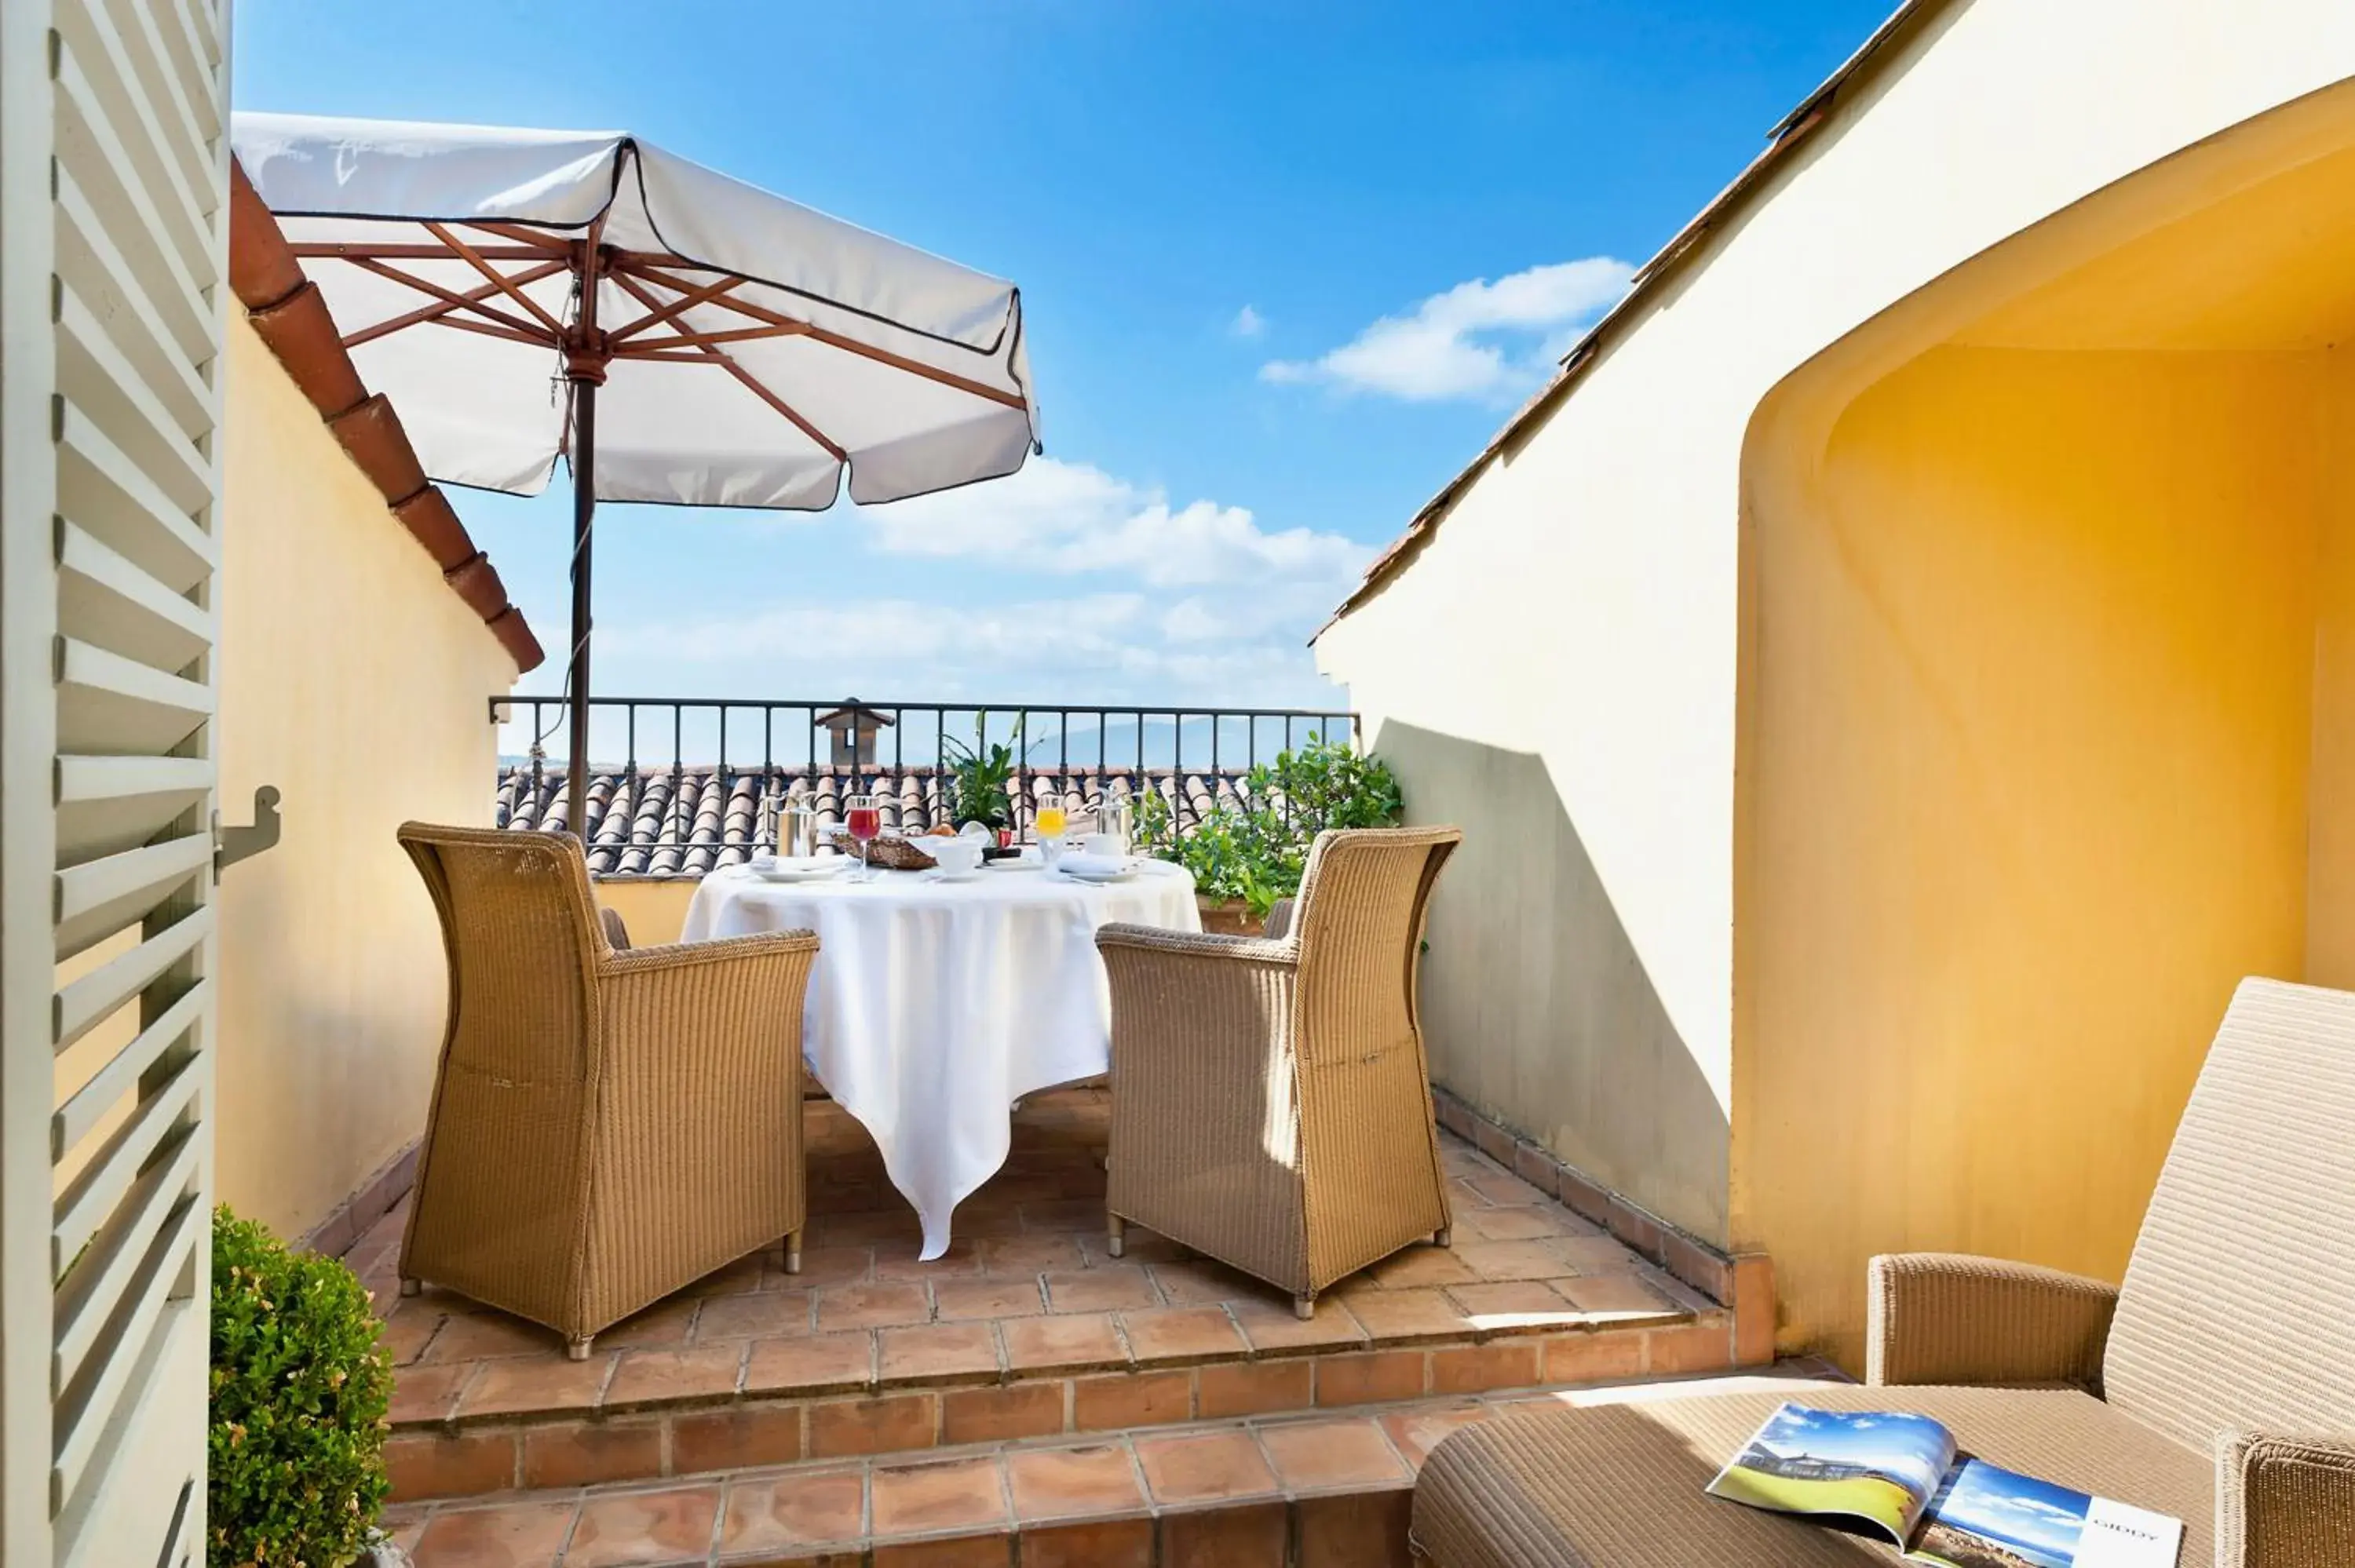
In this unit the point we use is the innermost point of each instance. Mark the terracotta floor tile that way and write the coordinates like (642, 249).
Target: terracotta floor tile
(963, 1257)
(1254, 1388)
(936, 1353)
(627, 1528)
(1063, 1483)
(1211, 1466)
(1272, 1328)
(535, 1386)
(469, 1336)
(662, 1326)
(1520, 1225)
(1181, 1336)
(406, 1334)
(1198, 1282)
(664, 1377)
(757, 1315)
(1031, 1254)
(956, 1494)
(1066, 1214)
(1414, 1433)
(1409, 1317)
(1514, 1259)
(814, 1364)
(822, 1265)
(744, 1274)
(1515, 1306)
(766, 1513)
(990, 1295)
(1073, 1343)
(1616, 1299)
(1506, 1191)
(892, 1423)
(1311, 1455)
(511, 1535)
(428, 1393)
(872, 1306)
(1594, 1255)
(1421, 1265)
(1100, 1289)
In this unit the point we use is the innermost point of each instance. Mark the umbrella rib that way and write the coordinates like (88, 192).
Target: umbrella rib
(848, 344)
(697, 339)
(710, 290)
(451, 302)
(537, 340)
(510, 289)
(545, 244)
(749, 382)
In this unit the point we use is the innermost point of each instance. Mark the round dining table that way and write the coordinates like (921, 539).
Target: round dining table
(936, 1004)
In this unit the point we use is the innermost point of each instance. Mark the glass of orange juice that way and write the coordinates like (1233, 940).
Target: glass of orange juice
(1052, 822)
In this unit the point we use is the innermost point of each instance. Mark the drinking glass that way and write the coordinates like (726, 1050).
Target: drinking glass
(1052, 823)
(863, 815)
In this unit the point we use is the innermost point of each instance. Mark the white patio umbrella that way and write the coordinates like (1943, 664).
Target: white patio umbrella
(678, 336)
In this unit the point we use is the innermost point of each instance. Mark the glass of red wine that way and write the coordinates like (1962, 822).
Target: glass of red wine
(863, 815)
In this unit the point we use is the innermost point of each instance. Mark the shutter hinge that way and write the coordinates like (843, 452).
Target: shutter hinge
(233, 844)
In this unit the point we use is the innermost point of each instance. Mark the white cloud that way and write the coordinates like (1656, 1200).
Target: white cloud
(1478, 340)
(1248, 322)
(1096, 648)
(1068, 518)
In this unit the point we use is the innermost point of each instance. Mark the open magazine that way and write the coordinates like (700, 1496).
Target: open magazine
(1900, 1477)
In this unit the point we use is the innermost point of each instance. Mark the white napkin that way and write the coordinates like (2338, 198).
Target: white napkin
(1082, 864)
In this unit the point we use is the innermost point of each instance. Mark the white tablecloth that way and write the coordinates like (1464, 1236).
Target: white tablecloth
(935, 1005)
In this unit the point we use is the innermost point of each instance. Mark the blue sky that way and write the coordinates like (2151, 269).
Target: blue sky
(1286, 268)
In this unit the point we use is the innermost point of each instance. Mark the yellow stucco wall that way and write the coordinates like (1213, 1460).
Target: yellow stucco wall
(2033, 701)
(652, 910)
(1571, 665)
(355, 680)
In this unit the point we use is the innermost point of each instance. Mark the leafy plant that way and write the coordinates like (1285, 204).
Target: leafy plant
(299, 1387)
(978, 775)
(1254, 848)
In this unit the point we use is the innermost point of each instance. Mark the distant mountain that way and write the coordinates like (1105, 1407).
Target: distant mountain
(1238, 742)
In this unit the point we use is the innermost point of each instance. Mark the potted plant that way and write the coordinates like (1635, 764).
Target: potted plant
(294, 1468)
(1248, 853)
(978, 775)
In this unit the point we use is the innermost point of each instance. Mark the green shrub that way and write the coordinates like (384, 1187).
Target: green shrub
(1254, 848)
(295, 1466)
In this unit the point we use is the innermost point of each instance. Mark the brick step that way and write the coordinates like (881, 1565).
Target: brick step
(480, 1426)
(1302, 1489)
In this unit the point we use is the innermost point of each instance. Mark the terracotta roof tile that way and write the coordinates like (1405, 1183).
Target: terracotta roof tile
(686, 821)
(290, 317)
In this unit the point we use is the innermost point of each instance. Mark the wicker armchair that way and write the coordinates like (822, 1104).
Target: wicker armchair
(607, 1126)
(1270, 1102)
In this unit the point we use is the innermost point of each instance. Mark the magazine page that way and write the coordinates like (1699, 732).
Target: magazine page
(1989, 1517)
(1876, 1468)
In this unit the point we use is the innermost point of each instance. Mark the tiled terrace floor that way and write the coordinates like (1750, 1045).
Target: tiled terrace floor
(1028, 1351)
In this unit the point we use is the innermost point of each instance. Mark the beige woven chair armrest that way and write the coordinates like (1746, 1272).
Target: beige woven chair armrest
(1947, 1317)
(2283, 1501)
(1279, 920)
(719, 950)
(1197, 944)
(617, 933)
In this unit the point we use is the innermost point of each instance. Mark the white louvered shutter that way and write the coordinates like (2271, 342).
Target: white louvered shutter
(113, 171)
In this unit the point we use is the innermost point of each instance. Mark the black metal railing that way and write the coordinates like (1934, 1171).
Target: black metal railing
(684, 790)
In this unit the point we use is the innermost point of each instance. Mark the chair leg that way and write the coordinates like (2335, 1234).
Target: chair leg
(794, 1252)
(1444, 1237)
(578, 1349)
(412, 1287)
(1305, 1306)
(1115, 1234)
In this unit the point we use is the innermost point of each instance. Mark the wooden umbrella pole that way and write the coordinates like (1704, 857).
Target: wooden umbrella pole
(586, 356)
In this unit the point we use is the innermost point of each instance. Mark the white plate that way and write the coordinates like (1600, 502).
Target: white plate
(945, 874)
(770, 868)
(1098, 878)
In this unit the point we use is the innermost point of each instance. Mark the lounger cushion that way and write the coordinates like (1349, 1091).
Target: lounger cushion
(1620, 1486)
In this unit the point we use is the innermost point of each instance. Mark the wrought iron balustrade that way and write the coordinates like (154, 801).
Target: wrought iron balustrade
(684, 793)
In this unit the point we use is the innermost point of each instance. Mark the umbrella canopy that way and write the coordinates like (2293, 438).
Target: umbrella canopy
(678, 336)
